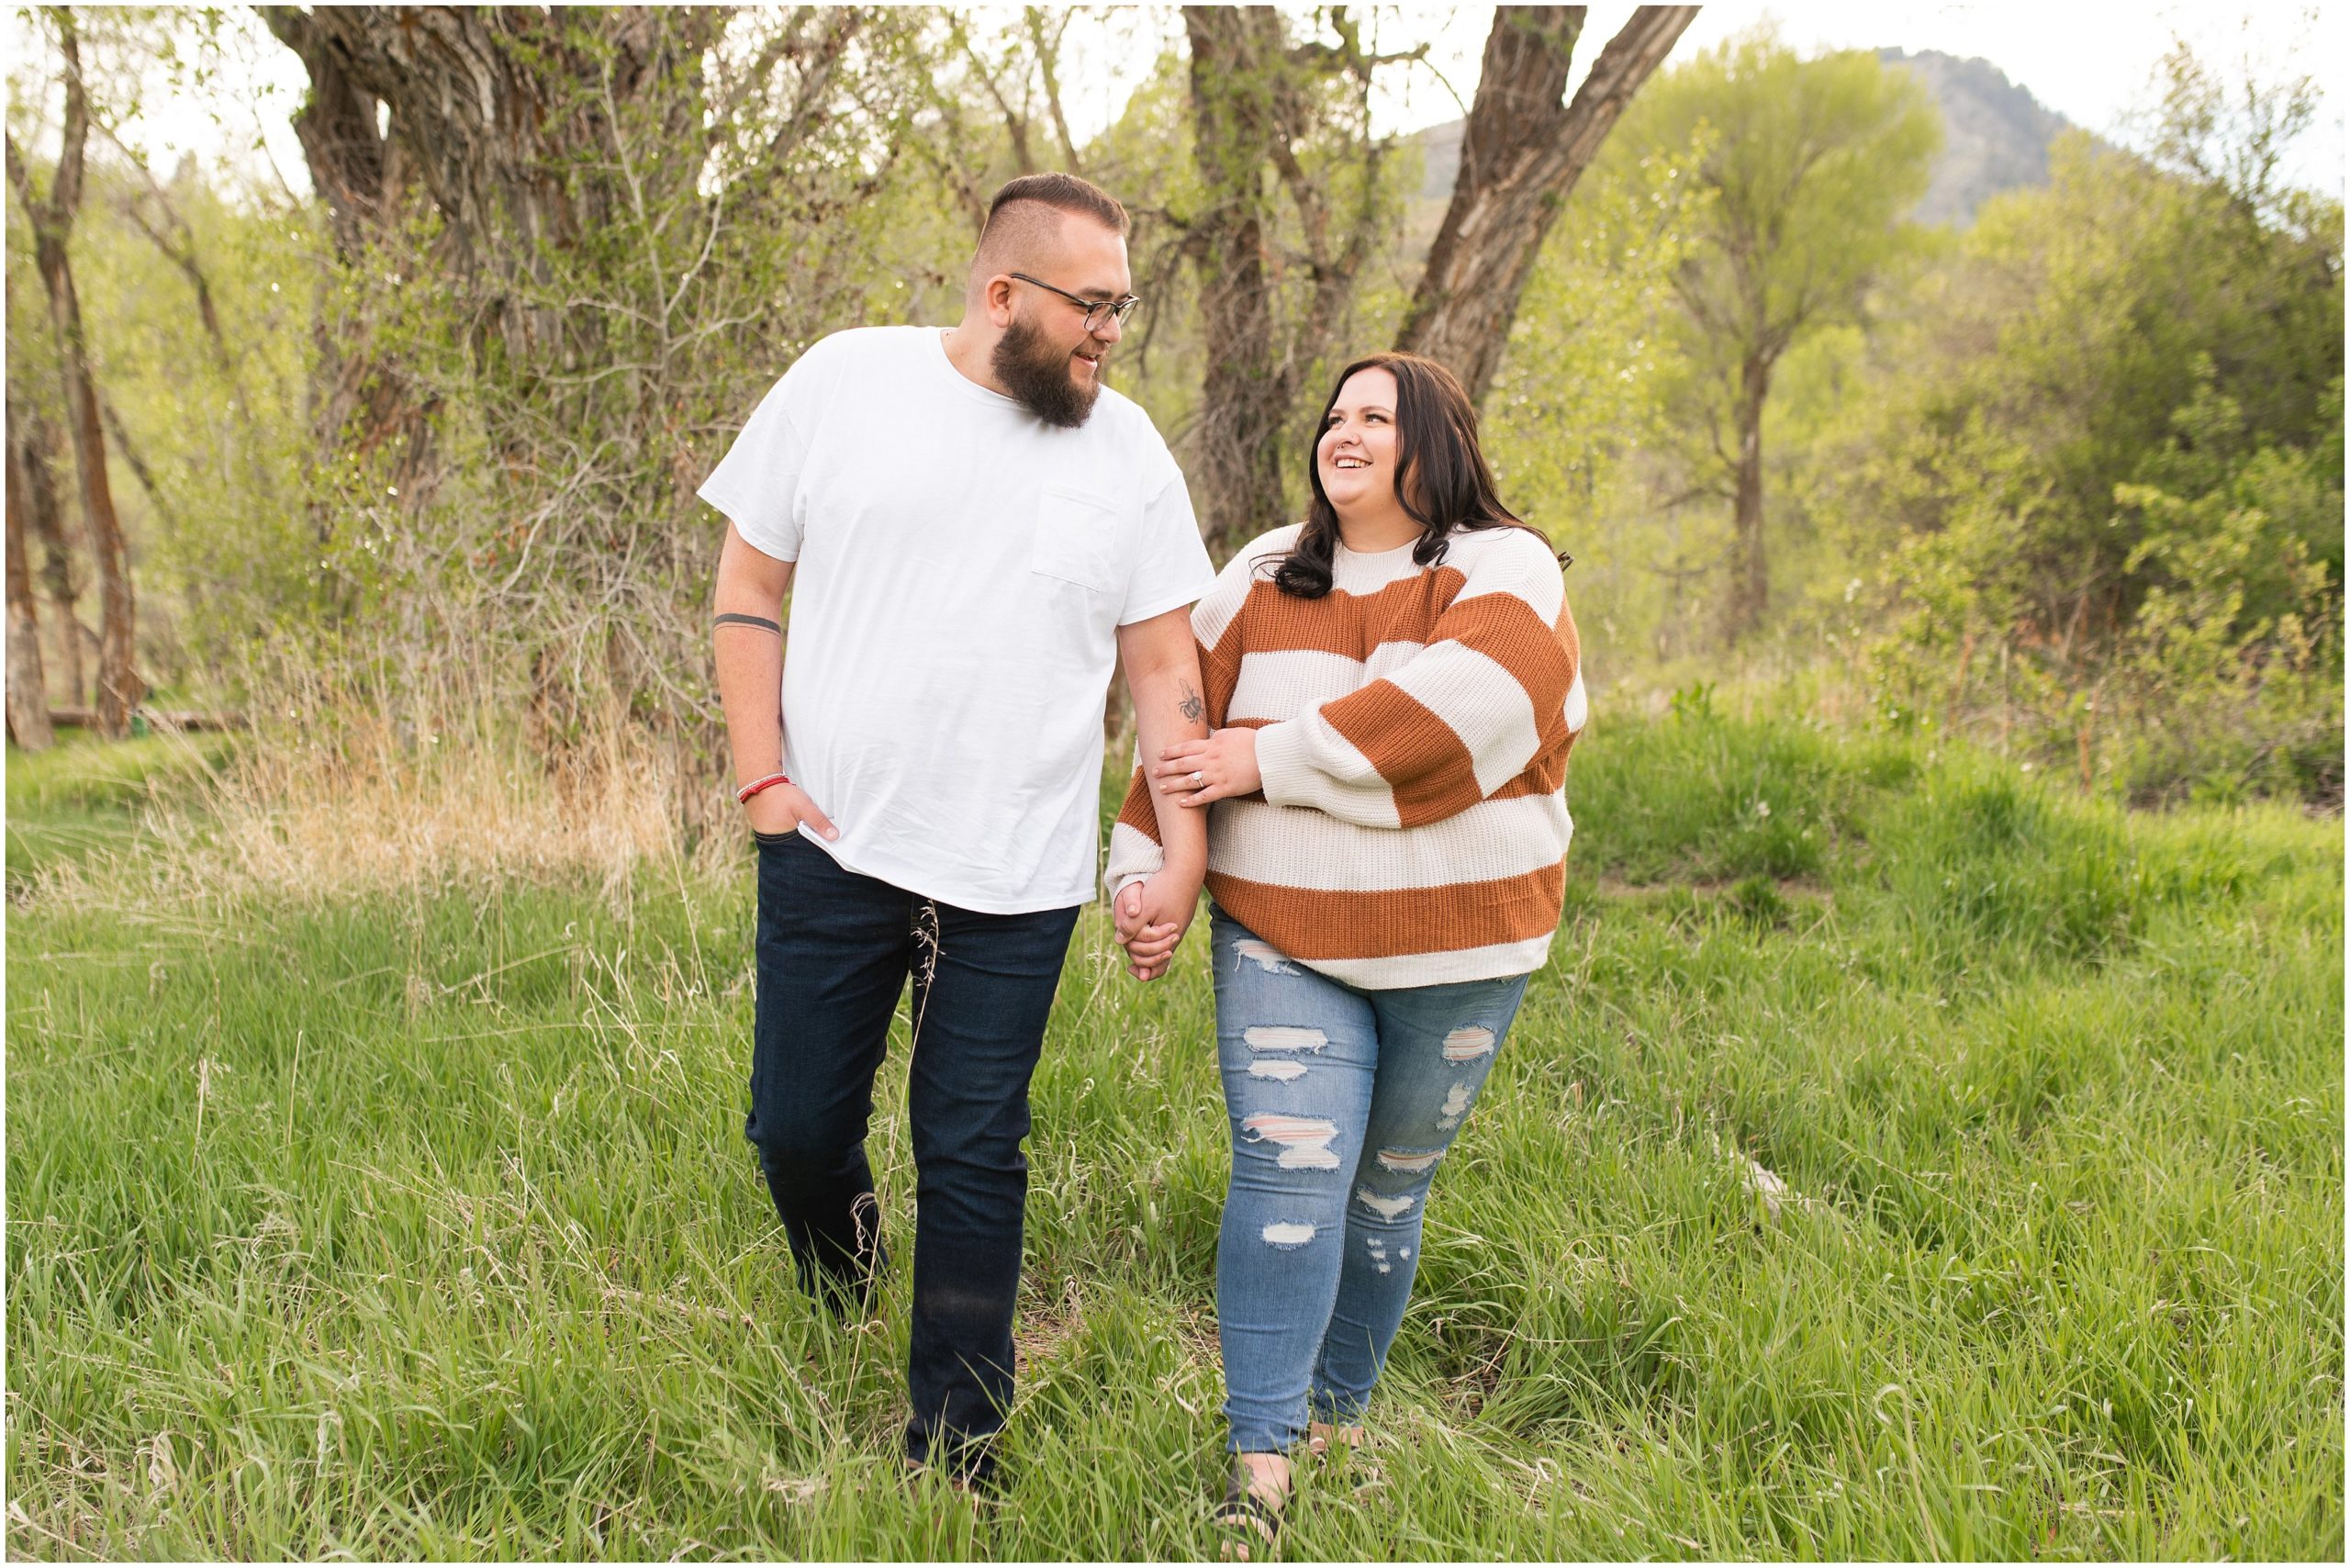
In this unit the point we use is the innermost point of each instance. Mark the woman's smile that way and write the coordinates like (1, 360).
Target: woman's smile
(1357, 449)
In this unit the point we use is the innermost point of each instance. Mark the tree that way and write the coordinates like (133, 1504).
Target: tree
(572, 247)
(1272, 119)
(40, 455)
(1811, 165)
(1521, 154)
(1015, 73)
(1294, 200)
(51, 220)
(2101, 477)
(32, 482)
(1575, 421)
(484, 109)
(27, 690)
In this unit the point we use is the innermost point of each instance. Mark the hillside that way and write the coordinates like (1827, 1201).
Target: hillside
(1995, 134)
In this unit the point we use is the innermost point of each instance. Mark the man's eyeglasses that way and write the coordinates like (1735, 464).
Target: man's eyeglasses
(1097, 311)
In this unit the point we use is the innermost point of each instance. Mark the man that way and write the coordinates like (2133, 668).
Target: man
(976, 527)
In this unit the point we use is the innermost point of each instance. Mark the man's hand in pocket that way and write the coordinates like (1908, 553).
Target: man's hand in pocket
(780, 808)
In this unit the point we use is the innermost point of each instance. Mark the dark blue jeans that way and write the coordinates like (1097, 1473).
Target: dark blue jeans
(835, 952)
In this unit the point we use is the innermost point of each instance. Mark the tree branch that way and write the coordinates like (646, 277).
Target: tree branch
(21, 178)
(1521, 154)
(65, 190)
(1348, 58)
(1048, 53)
(1016, 121)
(129, 450)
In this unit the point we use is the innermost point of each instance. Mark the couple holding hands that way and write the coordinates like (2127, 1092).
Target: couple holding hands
(1356, 740)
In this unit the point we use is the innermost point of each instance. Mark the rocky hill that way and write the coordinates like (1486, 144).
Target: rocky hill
(1995, 133)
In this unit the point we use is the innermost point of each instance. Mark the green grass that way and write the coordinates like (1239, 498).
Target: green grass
(422, 1226)
(78, 799)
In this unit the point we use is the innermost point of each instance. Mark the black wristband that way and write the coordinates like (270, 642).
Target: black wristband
(730, 619)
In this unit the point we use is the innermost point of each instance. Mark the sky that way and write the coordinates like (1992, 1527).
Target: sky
(2090, 62)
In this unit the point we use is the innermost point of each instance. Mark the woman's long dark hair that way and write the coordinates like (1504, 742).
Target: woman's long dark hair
(1441, 476)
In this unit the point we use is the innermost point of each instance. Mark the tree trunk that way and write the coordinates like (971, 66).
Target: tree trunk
(1749, 587)
(354, 399)
(1257, 100)
(1521, 154)
(1237, 460)
(490, 110)
(28, 690)
(119, 688)
(46, 518)
(486, 103)
(336, 125)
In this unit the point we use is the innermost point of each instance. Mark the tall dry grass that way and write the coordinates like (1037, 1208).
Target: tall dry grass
(347, 783)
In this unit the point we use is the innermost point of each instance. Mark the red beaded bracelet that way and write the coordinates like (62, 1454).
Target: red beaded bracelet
(756, 785)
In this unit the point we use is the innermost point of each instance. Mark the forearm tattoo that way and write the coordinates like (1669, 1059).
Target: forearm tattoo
(1191, 707)
(761, 621)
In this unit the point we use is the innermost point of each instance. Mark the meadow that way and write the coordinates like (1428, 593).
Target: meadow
(1900, 1156)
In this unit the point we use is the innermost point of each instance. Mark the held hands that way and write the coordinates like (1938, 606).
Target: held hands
(1150, 917)
(780, 808)
(1192, 773)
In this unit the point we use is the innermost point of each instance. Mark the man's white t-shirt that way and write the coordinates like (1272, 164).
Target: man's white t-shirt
(963, 568)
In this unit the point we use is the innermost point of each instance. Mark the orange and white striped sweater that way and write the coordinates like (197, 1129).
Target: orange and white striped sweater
(1413, 727)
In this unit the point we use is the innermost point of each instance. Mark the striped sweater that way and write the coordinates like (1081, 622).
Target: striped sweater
(1413, 727)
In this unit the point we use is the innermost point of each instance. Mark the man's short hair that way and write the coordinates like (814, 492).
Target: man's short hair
(1024, 216)
(1063, 193)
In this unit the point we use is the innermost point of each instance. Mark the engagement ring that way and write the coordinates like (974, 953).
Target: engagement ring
(1195, 778)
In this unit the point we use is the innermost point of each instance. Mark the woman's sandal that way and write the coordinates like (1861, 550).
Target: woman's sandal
(1246, 1517)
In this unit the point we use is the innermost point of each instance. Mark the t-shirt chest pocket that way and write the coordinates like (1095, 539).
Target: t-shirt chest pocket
(1075, 540)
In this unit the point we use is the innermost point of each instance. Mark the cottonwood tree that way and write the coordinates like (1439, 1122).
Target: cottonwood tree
(36, 452)
(1811, 165)
(43, 453)
(573, 247)
(28, 688)
(473, 119)
(1521, 154)
(50, 217)
(1290, 206)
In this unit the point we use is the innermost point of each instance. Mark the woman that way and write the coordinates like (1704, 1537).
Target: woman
(1393, 690)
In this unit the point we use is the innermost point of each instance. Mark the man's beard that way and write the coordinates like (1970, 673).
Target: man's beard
(1036, 372)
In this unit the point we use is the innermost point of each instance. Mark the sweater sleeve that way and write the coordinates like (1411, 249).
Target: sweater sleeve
(1472, 711)
(1135, 850)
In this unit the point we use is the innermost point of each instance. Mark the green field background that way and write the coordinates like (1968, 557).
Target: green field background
(421, 1223)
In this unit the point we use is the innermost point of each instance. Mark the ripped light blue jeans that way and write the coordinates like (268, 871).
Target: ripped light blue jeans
(1342, 1102)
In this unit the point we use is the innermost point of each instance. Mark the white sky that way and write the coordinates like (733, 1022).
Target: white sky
(2092, 63)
